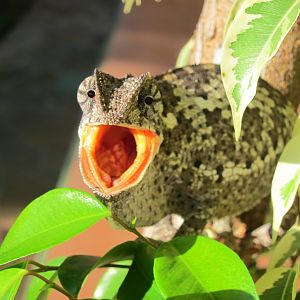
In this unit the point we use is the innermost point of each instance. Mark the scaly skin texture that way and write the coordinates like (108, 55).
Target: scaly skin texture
(200, 171)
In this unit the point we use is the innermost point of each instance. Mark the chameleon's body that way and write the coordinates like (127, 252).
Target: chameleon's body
(200, 172)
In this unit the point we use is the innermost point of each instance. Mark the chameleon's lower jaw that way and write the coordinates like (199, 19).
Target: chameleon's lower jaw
(115, 158)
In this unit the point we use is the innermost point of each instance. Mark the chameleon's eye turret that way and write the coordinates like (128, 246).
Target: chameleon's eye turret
(86, 91)
(91, 94)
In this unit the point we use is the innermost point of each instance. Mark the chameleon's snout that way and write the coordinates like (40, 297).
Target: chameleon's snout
(115, 158)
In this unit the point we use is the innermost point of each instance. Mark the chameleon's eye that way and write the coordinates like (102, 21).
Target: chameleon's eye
(148, 100)
(91, 93)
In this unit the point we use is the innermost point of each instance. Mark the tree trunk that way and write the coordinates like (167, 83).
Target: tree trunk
(208, 35)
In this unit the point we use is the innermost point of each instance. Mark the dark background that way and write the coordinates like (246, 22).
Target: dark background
(46, 48)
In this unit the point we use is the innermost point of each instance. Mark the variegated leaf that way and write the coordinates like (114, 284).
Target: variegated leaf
(278, 284)
(286, 180)
(185, 53)
(286, 247)
(253, 37)
(236, 6)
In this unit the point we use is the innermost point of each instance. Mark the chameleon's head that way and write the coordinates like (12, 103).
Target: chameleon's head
(119, 130)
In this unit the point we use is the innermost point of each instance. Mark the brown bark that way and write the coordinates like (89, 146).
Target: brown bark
(208, 34)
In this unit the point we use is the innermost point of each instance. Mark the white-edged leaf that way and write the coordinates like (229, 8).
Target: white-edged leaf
(285, 248)
(285, 182)
(253, 37)
(185, 53)
(236, 6)
(278, 284)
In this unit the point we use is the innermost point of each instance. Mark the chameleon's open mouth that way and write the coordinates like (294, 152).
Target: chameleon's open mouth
(115, 158)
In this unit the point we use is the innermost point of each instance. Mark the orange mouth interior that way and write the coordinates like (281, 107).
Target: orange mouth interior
(114, 158)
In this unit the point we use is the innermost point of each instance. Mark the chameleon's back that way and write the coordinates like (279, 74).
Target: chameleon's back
(200, 171)
(206, 172)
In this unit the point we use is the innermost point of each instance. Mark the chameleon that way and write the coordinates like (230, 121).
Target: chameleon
(151, 146)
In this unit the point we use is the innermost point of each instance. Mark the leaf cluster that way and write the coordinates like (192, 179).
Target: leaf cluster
(184, 268)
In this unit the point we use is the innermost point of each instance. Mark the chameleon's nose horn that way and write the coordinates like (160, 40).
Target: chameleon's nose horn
(115, 158)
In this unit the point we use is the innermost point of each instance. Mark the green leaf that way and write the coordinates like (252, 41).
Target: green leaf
(123, 251)
(285, 182)
(37, 288)
(139, 282)
(201, 268)
(10, 280)
(278, 284)
(133, 222)
(74, 270)
(111, 281)
(286, 247)
(19, 265)
(49, 220)
(154, 293)
(253, 37)
(185, 53)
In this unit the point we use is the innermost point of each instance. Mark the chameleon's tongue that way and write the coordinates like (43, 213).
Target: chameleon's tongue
(114, 158)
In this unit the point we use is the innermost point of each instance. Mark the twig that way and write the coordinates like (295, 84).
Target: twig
(42, 268)
(35, 263)
(52, 284)
(135, 231)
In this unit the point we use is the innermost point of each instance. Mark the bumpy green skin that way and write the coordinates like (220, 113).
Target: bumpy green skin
(200, 171)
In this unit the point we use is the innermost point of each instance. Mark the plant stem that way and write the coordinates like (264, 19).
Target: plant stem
(35, 263)
(42, 268)
(134, 230)
(52, 284)
(46, 269)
